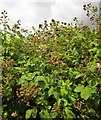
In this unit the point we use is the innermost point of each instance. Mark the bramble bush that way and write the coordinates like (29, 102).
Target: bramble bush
(51, 72)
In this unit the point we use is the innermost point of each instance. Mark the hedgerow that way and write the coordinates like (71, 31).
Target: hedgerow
(53, 71)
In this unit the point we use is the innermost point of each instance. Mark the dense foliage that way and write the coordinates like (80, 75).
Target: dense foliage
(52, 72)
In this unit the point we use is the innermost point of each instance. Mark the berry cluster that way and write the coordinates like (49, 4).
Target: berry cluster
(55, 60)
(27, 93)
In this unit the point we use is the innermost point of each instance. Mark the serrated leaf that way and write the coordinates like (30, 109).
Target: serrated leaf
(86, 92)
(79, 88)
(28, 114)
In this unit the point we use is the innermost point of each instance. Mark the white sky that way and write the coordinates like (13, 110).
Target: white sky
(33, 12)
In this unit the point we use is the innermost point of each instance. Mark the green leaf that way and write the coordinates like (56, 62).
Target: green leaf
(36, 73)
(92, 111)
(21, 61)
(39, 78)
(56, 95)
(68, 83)
(59, 101)
(78, 75)
(11, 53)
(63, 91)
(51, 90)
(95, 81)
(69, 113)
(23, 77)
(28, 114)
(34, 112)
(65, 101)
(30, 76)
(44, 114)
(53, 115)
(79, 88)
(86, 92)
(97, 101)
(21, 81)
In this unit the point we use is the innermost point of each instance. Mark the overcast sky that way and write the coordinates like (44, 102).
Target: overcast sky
(33, 12)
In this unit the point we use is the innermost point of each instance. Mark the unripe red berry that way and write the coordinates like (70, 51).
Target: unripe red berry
(87, 58)
(33, 89)
(38, 85)
(59, 59)
(21, 89)
(1, 91)
(63, 64)
(98, 37)
(35, 93)
(29, 89)
(75, 103)
(48, 55)
(51, 61)
(59, 62)
(97, 67)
